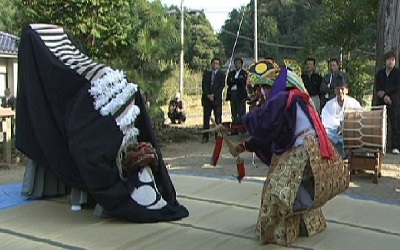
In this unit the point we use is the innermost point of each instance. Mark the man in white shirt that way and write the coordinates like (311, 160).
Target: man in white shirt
(237, 93)
(333, 115)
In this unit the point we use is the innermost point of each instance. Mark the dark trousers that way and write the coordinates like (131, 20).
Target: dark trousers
(207, 108)
(177, 116)
(238, 108)
(394, 119)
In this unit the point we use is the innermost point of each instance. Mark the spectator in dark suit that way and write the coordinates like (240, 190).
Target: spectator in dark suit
(329, 81)
(237, 93)
(212, 85)
(312, 81)
(8, 101)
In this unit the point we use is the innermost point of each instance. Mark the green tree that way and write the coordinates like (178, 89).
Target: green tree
(202, 44)
(229, 30)
(281, 27)
(304, 28)
(153, 45)
(348, 24)
(8, 17)
(135, 36)
(351, 27)
(100, 26)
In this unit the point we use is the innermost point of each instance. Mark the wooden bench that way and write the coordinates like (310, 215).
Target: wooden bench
(364, 134)
(7, 115)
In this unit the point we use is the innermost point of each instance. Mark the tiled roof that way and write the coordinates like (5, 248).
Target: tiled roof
(8, 43)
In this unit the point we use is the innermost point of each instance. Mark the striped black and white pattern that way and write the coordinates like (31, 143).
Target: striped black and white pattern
(112, 93)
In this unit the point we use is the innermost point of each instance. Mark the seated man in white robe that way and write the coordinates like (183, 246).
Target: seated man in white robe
(333, 115)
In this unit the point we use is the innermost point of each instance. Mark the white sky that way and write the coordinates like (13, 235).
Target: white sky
(216, 10)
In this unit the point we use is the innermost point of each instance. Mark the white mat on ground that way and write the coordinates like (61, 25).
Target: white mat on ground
(223, 214)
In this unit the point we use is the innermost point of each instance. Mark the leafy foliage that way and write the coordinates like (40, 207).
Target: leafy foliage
(304, 28)
(7, 17)
(348, 24)
(351, 26)
(280, 23)
(202, 44)
(142, 39)
(100, 26)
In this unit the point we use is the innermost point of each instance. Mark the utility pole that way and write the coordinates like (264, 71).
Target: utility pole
(182, 29)
(255, 32)
(182, 62)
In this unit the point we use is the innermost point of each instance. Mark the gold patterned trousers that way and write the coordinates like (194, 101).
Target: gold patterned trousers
(277, 222)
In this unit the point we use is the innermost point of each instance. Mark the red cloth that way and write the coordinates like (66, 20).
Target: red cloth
(324, 143)
(232, 127)
(240, 170)
(217, 150)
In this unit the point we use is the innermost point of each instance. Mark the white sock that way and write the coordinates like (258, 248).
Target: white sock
(76, 208)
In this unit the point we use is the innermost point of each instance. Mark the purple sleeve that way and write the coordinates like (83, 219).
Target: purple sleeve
(263, 151)
(265, 123)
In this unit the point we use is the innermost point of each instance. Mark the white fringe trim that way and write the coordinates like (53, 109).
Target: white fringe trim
(130, 134)
(110, 93)
(119, 100)
(128, 117)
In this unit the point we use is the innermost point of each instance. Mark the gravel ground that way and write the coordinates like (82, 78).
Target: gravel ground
(192, 157)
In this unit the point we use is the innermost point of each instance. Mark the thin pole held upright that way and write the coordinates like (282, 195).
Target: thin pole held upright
(181, 71)
(255, 32)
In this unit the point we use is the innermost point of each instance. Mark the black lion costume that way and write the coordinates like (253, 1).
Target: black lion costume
(77, 118)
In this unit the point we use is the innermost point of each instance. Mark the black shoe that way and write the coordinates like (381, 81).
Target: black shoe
(204, 140)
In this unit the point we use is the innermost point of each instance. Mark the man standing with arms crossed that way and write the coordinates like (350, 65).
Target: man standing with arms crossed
(212, 84)
(387, 83)
(329, 81)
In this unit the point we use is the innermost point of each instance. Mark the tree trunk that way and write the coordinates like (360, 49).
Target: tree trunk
(388, 39)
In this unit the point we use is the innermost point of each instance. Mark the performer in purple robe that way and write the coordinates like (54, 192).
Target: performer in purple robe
(287, 133)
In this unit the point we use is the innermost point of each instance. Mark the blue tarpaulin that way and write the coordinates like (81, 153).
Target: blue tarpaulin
(10, 196)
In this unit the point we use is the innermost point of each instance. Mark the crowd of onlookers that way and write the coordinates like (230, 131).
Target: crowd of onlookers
(329, 94)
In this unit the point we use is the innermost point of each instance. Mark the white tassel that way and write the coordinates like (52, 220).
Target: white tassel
(107, 87)
(130, 133)
(129, 117)
(119, 100)
(110, 93)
